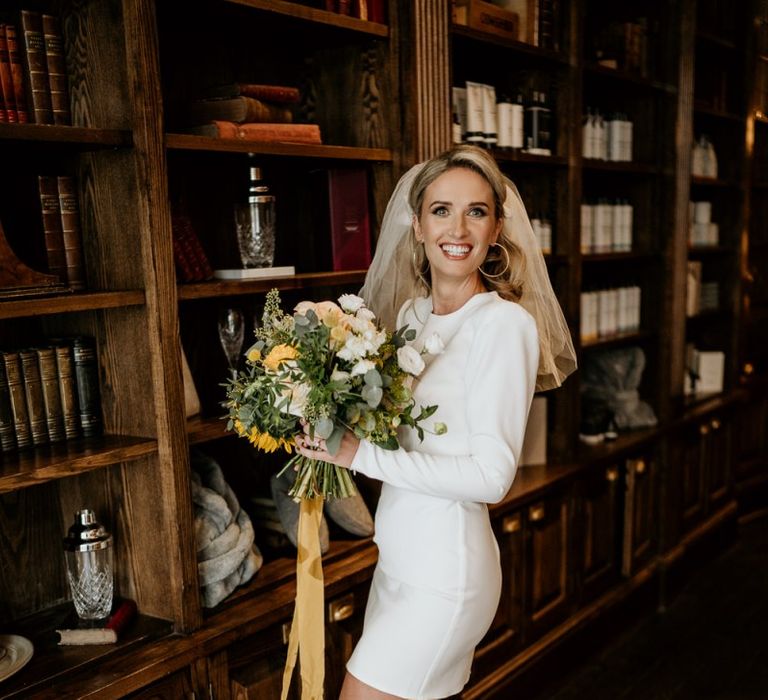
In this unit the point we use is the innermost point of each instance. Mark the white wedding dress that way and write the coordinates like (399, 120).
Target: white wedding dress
(437, 583)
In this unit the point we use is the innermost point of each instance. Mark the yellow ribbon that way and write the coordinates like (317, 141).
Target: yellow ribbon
(307, 636)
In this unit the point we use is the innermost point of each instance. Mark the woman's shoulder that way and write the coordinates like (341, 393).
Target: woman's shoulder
(508, 313)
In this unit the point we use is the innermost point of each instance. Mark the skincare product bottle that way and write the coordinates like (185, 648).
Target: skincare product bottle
(504, 122)
(490, 132)
(475, 116)
(518, 129)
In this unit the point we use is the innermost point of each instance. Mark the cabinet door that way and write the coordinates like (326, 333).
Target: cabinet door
(750, 430)
(639, 514)
(718, 461)
(599, 522)
(257, 663)
(504, 636)
(546, 564)
(175, 687)
(688, 469)
(344, 627)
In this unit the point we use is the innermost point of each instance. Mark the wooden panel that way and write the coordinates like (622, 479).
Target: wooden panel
(175, 687)
(83, 137)
(599, 531)
(547, 564)
(690, 469)
(639, 514)
(505, 633)
(69, 303)
(719, 456)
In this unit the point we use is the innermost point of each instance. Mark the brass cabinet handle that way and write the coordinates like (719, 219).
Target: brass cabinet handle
(341, 608)
(510, 524)
(715, 424)
(640, 466)
(703, 430)
(748, 369)
(536, 513)
(612, 474)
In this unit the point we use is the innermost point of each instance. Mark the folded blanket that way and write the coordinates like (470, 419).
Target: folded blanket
(224, 538)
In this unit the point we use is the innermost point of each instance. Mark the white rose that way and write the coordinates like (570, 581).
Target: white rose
(365, 314)
(351, 303)
(410, 361)
(299, 396)
(434, 344)
(303, 306)
(362, 367)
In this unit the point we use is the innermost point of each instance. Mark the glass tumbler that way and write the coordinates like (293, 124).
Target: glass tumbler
(255, 223)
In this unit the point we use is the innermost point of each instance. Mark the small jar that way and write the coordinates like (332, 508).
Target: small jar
(88, 548)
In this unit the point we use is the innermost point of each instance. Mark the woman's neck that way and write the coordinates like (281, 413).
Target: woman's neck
(449, 296)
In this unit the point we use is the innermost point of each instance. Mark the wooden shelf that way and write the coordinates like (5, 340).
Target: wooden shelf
(520, 47)
(223, 288)
(310, 14)
(69, 303)
(528, 158)
(49, 462)
(66, 135)
(201, 430)
(615, 449)
(632, 255)
(632, 168)
(189, 142)
(718, 114)
(616, 340)
(51, 661)
(592, 70)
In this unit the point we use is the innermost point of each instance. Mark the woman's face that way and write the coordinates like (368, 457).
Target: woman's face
(457, 223)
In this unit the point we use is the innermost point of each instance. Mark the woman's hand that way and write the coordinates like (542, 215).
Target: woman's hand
(315, 448)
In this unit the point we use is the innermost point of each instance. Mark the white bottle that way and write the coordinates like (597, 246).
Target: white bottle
(601, 139)
(518, 122)
(588, 135)
(615, 135)
(586, 228)
(504, 122)
(627, 140)
(546, 236)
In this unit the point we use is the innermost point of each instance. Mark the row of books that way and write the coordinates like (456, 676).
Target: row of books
(33, 73)
(49, 393)
(369, 10)
(250, 112)
(61, 226)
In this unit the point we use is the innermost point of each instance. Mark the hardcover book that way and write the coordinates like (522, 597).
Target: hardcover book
(7, 436)
(88, 394)
(8, 112)
(280, 94)
(65, 367)
(70, 225)
(49, 379)
(17, 74)
(33, 392)
(57, 69)
(15, 379)
(54, 234)
(36, 67)
(239, 109)
(263, 133)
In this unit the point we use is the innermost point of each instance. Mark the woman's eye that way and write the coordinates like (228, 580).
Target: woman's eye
(477, 212)
(440, 211)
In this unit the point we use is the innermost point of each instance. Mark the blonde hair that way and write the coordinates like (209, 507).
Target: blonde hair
(506, 282)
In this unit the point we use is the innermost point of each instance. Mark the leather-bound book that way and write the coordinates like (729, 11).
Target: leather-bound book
(70, 225)
(7, 99)
(57, 69)
(17, 74)
(33, 391)
(7, 433)
(49, 378)
(36, 67)
(88, 394)
(65, 366)
(350, 224)
(15, 379)
(281, 94)
(54, 234)
(263, 133)
(239, 109)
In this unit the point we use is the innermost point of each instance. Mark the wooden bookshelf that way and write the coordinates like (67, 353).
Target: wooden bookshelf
(519, 48)
(85, 138)
(69, 303)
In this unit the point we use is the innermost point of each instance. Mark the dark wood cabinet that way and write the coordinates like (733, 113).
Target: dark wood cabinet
(177, 686)
(640, 521)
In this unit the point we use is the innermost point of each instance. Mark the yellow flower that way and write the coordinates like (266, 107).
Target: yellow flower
(279, 354)
(239, 428)
(254, 355)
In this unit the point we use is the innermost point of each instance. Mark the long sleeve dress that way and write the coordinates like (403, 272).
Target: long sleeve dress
(437, 583)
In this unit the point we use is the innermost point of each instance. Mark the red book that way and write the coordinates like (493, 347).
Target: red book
(17, 74)
(57, 70)
(269, 93)
(7, 100)
(54, 234)
(350, 224)
(36, 67)
(70, 225)
(263, 133)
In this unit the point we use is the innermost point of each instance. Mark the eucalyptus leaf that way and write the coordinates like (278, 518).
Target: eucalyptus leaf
(373, 378)
(386, 380)
(389, 444)
(324, 428)
(410, 334)
(372, 395)
(333, 443)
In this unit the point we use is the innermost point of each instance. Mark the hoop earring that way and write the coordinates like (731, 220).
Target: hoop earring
(503, 272)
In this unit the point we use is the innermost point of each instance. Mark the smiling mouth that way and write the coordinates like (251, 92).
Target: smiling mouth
(456, 251)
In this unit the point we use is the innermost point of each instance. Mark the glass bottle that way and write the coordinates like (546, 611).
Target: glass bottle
(255, 222)
(88, 549)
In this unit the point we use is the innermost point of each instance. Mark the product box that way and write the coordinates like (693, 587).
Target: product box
(485, 17)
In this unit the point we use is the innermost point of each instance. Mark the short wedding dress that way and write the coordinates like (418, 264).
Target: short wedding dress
(437, 583)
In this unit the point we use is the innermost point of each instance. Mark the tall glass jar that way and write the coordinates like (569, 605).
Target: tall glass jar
(255, 223)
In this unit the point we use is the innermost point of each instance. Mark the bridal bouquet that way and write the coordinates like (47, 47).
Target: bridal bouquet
(331, 366)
